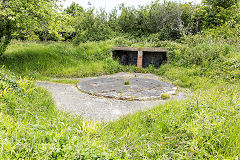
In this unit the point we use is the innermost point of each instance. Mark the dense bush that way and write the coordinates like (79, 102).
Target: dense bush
(166, 20)
(161, 20)
(214, 48)
(91, 27)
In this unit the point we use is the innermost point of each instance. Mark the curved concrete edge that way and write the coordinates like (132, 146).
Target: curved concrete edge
(170, 93)
(69, 99)
(128, 75)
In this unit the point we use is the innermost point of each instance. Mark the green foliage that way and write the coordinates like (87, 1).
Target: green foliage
(3, 44)
(90, 27)
(202, 127)
(121, 42)
(162, 21)
(127, 83)
(110, 66)
(159, 20)
(220, 3)
(127, 21)
(5, 34)
(212, 54)
(205, 126)
(39, 60)
(165, 96)
(31, 127)
(24, 108)
(74, 9)
(216, 13)
(21, 18)
(209, 51)
(168, 19)
(55, 59)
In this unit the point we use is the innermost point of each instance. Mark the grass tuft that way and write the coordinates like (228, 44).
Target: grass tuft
(165, 96)
(127, 83)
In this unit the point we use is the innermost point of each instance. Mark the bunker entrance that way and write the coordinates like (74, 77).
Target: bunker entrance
(126, 57)
(154, 58)
(142, 57)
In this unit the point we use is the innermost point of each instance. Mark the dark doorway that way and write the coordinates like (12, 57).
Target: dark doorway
(154, 58)
(126, 57)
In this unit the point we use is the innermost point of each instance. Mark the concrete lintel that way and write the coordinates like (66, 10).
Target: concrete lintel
(154, 49)
(135, 49)
(125, 49)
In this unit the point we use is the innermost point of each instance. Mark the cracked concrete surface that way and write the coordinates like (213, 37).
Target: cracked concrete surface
(135, 89)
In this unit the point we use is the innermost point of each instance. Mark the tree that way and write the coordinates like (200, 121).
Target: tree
(92, 27)
(221, 3)
(24, 17)
(74, 9)
(127, 21)
(215, 13)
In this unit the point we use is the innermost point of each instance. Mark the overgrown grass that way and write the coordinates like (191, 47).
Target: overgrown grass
(46, 61)
(39, 60)
(205, 126)
(32, 128)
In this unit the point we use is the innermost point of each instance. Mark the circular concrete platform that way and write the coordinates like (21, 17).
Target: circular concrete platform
(126, 87)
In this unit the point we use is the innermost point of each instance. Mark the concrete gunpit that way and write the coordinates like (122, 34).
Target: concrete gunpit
(126, 87)
(138, 90)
